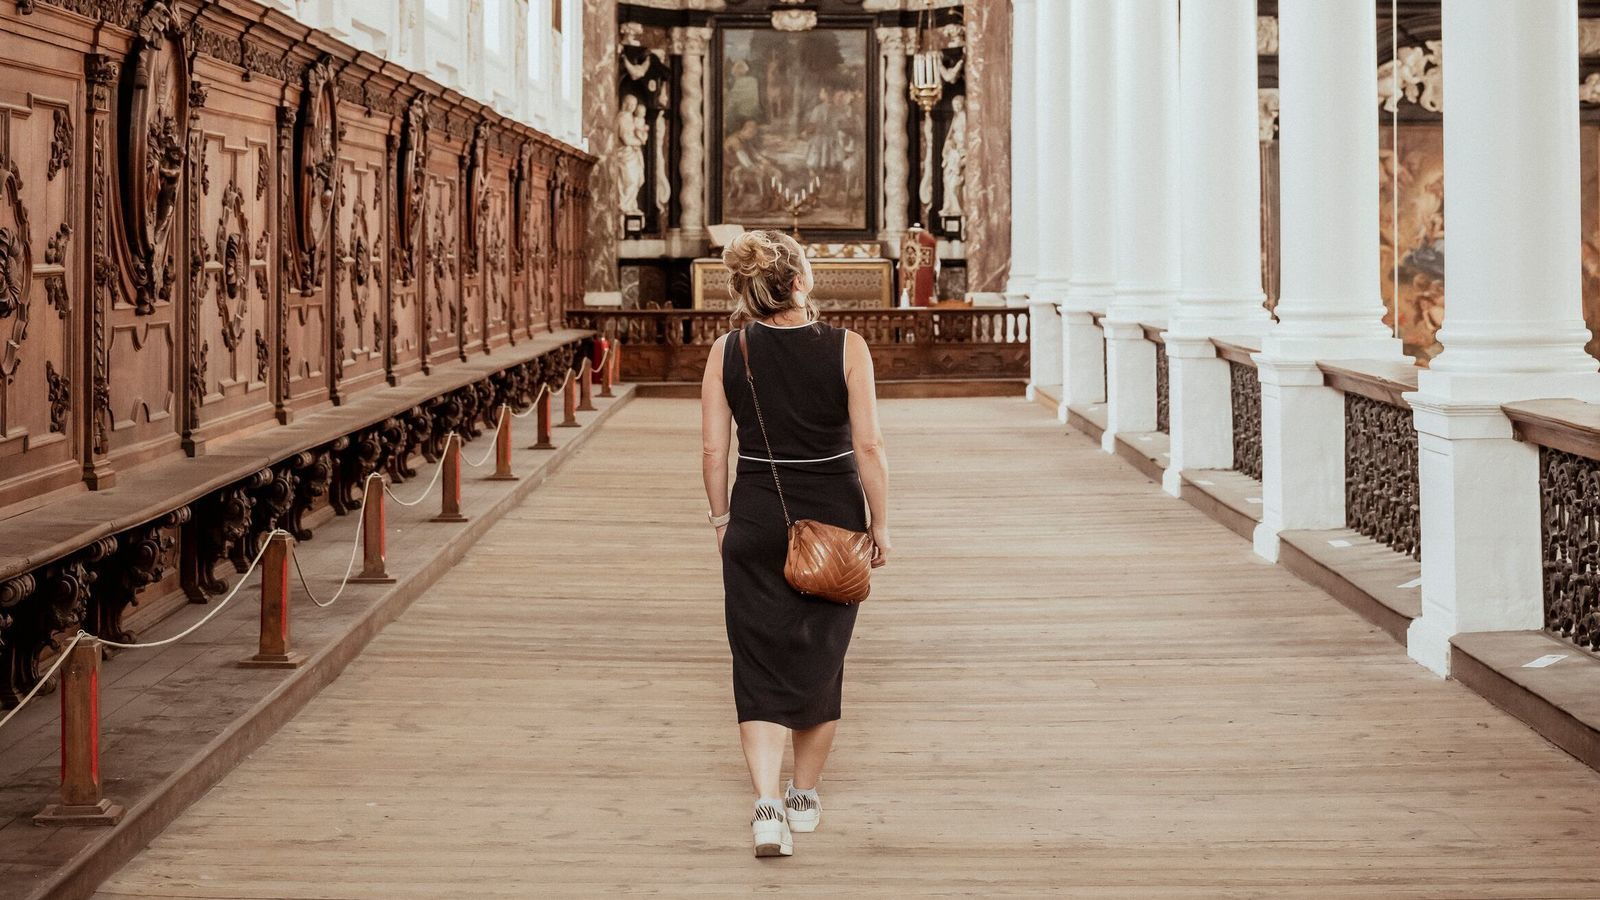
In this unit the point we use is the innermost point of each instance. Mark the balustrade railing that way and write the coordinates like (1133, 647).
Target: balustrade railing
(1163, 391)
(1381, 494)
(1245, 396)
(672, 345)
(1568, 435)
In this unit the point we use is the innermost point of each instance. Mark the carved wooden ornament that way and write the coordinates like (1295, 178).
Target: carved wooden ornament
(156, 118)
(412, 189)
(16, 265)
(316, 155)
(477, 195)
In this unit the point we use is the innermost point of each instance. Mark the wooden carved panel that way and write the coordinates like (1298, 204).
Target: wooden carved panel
(152, 141)
(233, 252)
(359, 260)
(441, 282)
(474, 238)
(499, 306)
(41, 285)
(537, 237)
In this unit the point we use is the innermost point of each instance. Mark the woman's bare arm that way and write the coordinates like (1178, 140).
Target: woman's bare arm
(867, 438)
(716, 426)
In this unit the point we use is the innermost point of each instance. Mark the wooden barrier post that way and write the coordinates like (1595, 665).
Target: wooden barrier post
(502, 448)
(374, 535)
(586, 386)
(81, 800)
(274, 652)
(569, 402)
(450, 495)
(542, 421)
(607, 370)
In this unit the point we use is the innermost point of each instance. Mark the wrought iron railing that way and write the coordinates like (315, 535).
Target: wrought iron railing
(1381, 493)
(1163, 391)
(1569, 502)
(1245, 396)
(672, 344)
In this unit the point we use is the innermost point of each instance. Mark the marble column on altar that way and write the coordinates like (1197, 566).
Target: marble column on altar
(691, 45)
(892, 47)
(1513, 328)
(1024, 231)
(986, 233)
(599, 121)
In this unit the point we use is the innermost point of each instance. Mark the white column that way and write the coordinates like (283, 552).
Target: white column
(1044, 348)
(1024, 158)
(1331, 306)
(1514, 322)
(692, 44)
(1146, 224)
(1220, 211)
(896, 145)
(1091, 115)
(1049, 165)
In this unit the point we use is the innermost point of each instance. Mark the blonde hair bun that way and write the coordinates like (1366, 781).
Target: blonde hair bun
(763, 268)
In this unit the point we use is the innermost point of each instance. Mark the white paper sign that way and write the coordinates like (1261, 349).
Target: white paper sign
(1415, 582)
(1339, 542)
(1549, 659)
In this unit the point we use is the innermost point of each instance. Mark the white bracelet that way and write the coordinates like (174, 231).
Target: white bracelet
(718, 521)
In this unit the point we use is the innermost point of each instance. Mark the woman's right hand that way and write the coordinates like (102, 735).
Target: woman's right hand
(882, 546)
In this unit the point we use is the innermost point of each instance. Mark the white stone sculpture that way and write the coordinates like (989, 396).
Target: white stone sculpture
(633, 133)
(663, 174)
(1267, 113)
(954, 157)
(1415, 74)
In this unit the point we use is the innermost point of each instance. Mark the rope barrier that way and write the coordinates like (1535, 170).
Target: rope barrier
(355, 548)
(505, 415)
(60, 658)
(534, 406)
(266, 539)
(490, 455)
(437, 471)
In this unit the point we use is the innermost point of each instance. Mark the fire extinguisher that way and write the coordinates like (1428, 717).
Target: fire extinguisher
(599, 359)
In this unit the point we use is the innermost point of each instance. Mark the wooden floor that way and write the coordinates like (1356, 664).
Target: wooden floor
(1067, 683)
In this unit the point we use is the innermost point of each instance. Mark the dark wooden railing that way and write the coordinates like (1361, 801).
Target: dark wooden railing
(1245, 396)
(1568, 435)
(1382, 496)
(907, 344)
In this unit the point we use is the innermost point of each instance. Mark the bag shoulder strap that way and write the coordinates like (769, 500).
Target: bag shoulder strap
(744, 355)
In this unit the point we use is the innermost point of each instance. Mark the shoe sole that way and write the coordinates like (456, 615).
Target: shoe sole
(802, 825)
(769, 841)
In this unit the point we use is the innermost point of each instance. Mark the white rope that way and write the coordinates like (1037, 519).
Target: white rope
(473, 465)
(60, 658)
(214, 610)
(534, 406)
(361, 527)
(437, 470)
(501, 422)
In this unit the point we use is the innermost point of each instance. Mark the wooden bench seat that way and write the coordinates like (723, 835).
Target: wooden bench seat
(85, 558)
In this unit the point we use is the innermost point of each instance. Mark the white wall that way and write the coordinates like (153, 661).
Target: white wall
(501, 52)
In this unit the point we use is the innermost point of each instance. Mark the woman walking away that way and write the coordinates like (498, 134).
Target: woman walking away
(818, 408)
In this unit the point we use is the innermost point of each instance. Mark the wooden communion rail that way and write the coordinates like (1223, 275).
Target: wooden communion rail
(907, 344)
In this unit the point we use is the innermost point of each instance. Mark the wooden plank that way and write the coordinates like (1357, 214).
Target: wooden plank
(1381, 381)
(1569, 425)
(1065, 684)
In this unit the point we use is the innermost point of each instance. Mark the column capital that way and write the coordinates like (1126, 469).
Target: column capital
(689, 41)
(893, 40)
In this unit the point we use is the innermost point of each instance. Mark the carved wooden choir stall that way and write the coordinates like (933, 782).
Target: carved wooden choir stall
(242, 266)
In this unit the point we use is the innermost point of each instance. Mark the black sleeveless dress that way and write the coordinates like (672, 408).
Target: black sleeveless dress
(788, 649)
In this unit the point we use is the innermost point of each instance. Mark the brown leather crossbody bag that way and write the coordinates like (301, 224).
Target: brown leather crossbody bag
(824, 560)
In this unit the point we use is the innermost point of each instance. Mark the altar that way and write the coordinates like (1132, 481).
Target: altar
(848, 276)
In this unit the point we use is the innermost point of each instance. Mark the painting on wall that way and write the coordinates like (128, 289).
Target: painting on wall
(1419, 279)
(794, 135)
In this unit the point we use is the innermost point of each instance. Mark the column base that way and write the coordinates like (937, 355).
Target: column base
(502, 478)
(103, 813)
(449, 517)
(1172, 481)
(1429, 645)
(1130, 380)
(372, 579)
(1265, 542)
